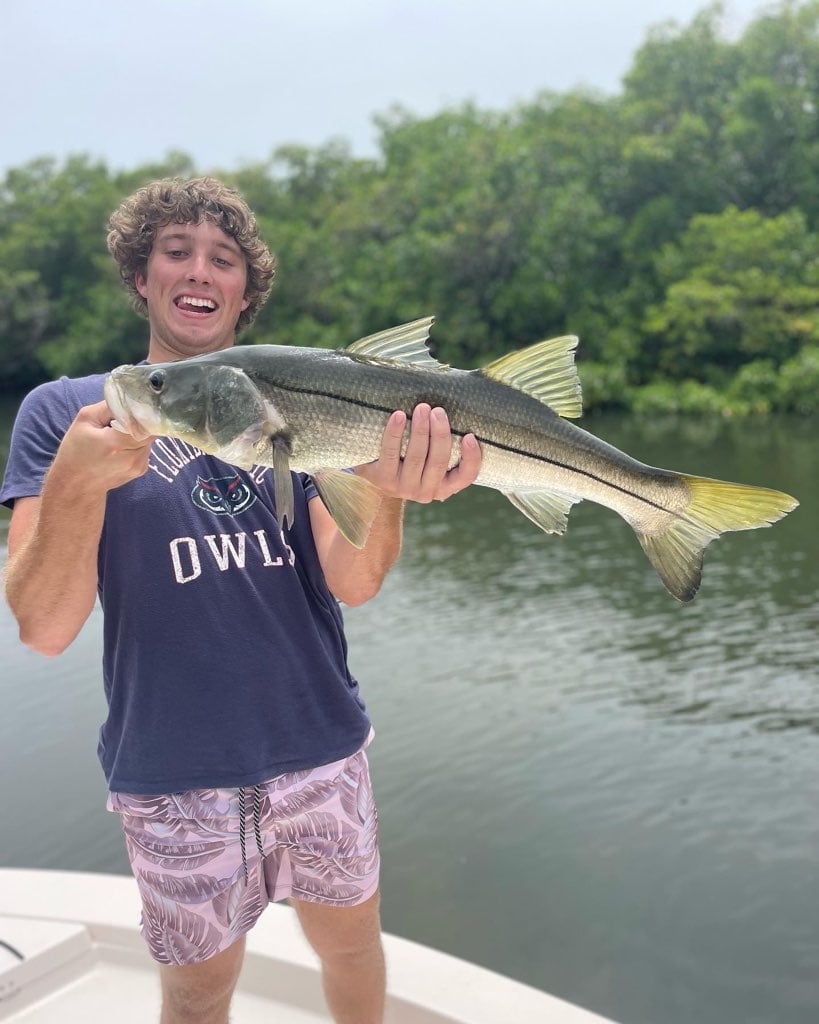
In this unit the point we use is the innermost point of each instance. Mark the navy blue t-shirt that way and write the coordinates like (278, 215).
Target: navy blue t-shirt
(225, 661)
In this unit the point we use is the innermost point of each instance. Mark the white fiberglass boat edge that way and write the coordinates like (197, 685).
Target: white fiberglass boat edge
(70, 950)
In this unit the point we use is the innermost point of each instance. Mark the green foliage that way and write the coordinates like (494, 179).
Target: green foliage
(738, 287)
(604, 386)
(104, 333)
(798, 388)
(673, 227)
(688, 396)
(755, 388)
(24, 314)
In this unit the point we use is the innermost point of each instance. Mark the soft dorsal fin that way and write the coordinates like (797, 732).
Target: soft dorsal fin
(545, 371)
(404, 344)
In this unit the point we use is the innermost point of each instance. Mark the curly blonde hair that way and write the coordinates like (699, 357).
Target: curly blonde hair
(133, 226)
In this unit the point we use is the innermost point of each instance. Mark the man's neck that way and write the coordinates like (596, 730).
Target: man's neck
(158, 352)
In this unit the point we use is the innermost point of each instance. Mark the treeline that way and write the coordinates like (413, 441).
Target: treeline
(674, 227)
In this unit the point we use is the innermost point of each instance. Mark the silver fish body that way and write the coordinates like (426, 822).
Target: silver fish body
(322, 411)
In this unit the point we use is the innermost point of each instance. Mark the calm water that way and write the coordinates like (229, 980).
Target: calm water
(582, 784)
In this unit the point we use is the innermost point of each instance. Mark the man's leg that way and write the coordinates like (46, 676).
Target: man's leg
(201, 993)
(348, 943)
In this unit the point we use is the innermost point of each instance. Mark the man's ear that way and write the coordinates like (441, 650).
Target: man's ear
(140, 284)
(245, 303)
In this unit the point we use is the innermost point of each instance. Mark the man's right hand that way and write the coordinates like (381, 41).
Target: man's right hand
(96, 455)
(51, 576)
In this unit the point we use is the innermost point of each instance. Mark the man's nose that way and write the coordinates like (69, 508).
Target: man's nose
(199, 268)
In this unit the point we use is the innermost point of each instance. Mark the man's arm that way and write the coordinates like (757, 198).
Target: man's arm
(355, 575)
(51, 574)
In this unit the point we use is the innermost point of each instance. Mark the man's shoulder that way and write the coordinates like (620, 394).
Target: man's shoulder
(68, 394)
(88, 388)
(43, 418)
(85, 390)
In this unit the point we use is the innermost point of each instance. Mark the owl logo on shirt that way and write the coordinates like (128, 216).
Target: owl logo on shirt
(224, 495)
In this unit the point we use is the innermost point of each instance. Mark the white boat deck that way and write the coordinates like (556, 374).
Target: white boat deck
(84, 960)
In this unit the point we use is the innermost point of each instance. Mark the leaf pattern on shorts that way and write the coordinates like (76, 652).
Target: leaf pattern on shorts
(178, 857)
(357, 800)
(305, 799)
(239, 906)
(143, 806)
(310, 888)
(205, 806)
(177, 935)
(330, 851)
(153, 819)
(310, 823)
(320, 834)
(366, 804)
(194, 888)
(289, 780)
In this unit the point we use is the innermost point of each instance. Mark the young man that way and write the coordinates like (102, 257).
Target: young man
(235, 736)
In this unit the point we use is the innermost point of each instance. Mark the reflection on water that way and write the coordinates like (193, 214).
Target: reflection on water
(582, 783)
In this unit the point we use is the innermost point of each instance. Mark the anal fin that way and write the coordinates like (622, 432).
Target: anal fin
(546, 509)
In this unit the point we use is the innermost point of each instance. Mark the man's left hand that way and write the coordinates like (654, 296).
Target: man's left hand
(423, 474)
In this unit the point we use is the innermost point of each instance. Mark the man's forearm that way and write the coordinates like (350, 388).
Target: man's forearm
(51, 576)
(354, 575)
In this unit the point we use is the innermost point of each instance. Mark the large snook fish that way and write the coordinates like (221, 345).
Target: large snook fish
(321, 411)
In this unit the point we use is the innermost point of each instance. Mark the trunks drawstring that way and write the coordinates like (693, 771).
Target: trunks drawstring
(257, 824)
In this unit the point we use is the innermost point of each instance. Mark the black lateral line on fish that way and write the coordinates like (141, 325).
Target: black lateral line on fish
(495, 444)
(571, 469)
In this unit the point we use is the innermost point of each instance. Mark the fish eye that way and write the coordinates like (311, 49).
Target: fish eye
(157, 380)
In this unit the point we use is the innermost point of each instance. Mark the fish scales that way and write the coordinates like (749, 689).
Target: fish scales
(525, 445)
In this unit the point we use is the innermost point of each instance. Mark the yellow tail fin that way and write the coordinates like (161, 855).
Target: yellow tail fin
(715, 507)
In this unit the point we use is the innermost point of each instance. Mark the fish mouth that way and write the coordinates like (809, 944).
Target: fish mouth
(130, 415)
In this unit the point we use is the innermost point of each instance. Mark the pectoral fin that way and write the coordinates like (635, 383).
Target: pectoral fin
(547, 510)
(352, 502)
(283, 484)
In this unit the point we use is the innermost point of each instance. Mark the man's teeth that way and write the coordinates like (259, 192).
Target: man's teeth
(189, 300)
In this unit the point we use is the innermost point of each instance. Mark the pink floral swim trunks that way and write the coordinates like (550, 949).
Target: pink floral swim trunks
(208, 861)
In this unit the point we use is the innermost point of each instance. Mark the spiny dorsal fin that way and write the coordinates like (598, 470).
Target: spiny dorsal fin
(404, 344)
(545, 371)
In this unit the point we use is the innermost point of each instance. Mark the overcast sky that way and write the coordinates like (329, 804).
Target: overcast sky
(229, 80)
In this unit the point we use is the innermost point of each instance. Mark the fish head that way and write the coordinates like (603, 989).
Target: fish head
(215, 407)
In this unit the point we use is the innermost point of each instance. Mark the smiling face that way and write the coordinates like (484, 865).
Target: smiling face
(194, 284)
